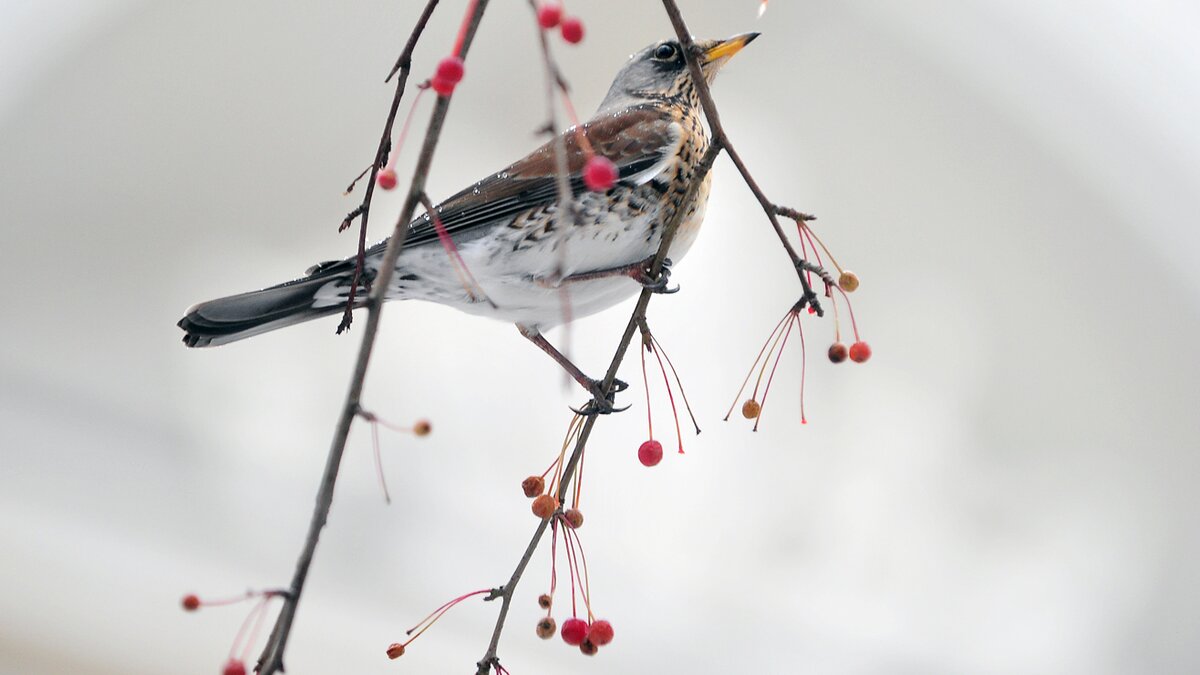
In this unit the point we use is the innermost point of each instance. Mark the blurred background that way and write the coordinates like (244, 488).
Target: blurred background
(1007, 486)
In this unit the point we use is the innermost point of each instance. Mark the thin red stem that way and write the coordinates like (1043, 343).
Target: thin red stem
(671, 398)
(750, 374)
(763, 404)
(679, 382)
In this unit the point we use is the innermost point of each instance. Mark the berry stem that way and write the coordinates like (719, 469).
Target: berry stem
(850, 307)
(464, 27)
(387, 497)
(778, 335)
(436, 614)
(394, 150)
(646, 382)
(671, 398)
(587, 583)
(752, 366)
(679, 382)
(469, 284)
(795, 321)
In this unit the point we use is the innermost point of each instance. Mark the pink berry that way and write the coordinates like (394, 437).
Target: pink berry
(549, 14)
(451, 68)
(574, 631)
(572, 30)
(442, 86)
(234, 667)
(599, 174)
(600, 633)
(860, 352)
(650, 453)
(386, 179)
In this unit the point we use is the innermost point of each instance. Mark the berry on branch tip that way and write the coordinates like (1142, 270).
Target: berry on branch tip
(574, 518)
(574, 631)
(751, 409)
(549, 14)
(848, 281)
(544, 506)
(860, 352)
(599, 174)
(533, 486)
(395, 650)
(234, 667)
(572, 30)
(386, 179)
(546, 628)
(588, 648)
(544, 601)
(650, 453)
(837, 352)
(191, 603)
(422, 428)
(600, 633)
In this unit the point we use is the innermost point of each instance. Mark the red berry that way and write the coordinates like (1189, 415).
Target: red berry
(600, 633)
(234, 667)
(599, 174)
(191, 603)
(572, 30)
(574, 518)
(544, 506)
(860, 352)
(549, 14)
(574, 631)
(442, 86)
(451, 69)
(837, 352)
(650, 453)
(812, 310)
(546, 628)
(386, 179)
(533, 486)
(395, 650)
(588, 648)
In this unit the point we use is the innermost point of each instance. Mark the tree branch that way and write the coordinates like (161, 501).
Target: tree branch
(271, 660)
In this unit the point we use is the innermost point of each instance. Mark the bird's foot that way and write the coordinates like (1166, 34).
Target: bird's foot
(641, 273)
(602, 403)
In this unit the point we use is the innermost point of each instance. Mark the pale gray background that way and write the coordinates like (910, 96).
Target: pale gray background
(1005, 488)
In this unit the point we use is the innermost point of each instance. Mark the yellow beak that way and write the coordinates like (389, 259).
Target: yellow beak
(727, 48)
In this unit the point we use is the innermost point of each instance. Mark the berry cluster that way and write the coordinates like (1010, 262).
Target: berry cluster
(590, 634)
(550, 15)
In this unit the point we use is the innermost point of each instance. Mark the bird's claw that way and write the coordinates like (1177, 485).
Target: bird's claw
(652, 283)
(602, 403)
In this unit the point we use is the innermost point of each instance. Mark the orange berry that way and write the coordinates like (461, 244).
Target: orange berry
(533, 486)
(848, 281)
(545, 506)
(751, 409)
(422, 428)
(395, 650)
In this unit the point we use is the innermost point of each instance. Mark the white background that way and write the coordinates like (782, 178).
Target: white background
(1005, 488)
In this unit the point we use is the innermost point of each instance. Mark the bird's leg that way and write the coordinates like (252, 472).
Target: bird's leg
(638, 271)
(602, 402)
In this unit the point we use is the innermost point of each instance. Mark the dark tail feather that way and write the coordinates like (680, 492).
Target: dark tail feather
(233, 318)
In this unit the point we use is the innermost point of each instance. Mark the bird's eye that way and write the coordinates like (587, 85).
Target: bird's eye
(665, 52)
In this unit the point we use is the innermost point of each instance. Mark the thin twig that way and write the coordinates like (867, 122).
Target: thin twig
(403, 65)
(690, 50)
(271, 660)
(639, 315)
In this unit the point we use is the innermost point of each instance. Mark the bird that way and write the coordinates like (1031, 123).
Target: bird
(520, 246)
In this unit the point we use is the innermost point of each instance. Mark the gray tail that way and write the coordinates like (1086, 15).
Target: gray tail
(236, 317)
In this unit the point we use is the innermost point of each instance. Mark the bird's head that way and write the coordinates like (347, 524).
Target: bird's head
(659, 73)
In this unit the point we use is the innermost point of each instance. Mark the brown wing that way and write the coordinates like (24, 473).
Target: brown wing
(634, 140)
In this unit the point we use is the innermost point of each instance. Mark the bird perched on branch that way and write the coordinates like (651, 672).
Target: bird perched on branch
(521, 247)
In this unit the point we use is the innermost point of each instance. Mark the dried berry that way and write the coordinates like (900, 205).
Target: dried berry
(544, 601)
(588, 647)
(395, 650)
(751, 409)
(422, 428)
(191, 603)
(533, 486)
(546, 628)
(545, 506)
(848, 281)
(837, 352)
(574, 518)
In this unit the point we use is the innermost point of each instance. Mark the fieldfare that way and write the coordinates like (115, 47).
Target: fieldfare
(519, 245)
